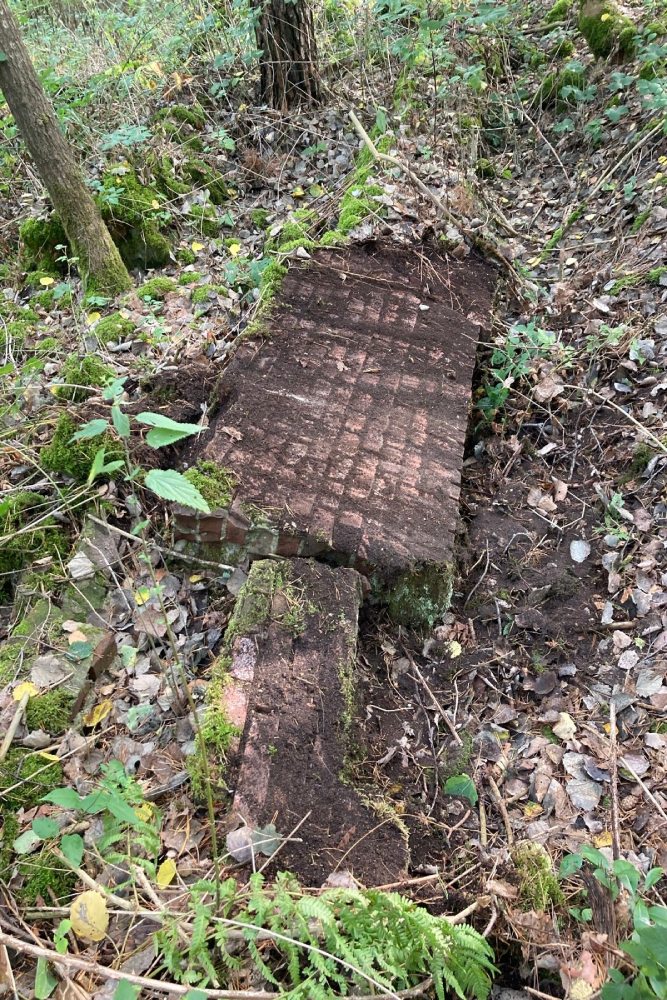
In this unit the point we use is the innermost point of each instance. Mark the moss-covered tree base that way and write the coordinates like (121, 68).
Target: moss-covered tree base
(607, 32)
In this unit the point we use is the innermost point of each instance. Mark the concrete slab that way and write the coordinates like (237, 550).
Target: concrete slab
(345, 426)
(290, 688)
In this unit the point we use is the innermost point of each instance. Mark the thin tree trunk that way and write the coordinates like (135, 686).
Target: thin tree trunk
(98, 260)
(286, 35)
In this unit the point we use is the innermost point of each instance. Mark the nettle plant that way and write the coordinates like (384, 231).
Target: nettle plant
(165, 483)
(646, 947)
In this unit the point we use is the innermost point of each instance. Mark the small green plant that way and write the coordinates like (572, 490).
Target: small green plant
(325, 945)
(646, 946)
(512, 360)
(165, 483)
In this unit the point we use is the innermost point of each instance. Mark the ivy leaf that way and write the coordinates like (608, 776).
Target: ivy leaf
(171, 485)
(463, 786)
(26, 842)
(79, 651)
(45, 828)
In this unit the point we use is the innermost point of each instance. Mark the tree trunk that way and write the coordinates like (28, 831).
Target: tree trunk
(286, 35)
(98, 260)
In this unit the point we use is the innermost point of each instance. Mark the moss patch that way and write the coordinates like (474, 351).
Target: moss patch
(419, 597)
(560, 11)
(45, 877)
(51, 712)
(34, 774)
(157, 288)
(115, 327)
(74, 458)
(539, 887)
(552, 91)
(129, 209)
(215, 483)
(81, 375)
(17, 512)
(606, 30)
(42, 241)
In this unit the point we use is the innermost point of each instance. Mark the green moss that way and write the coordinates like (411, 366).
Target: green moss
(253, 607)
(419, 597)
(560, 11)
(260, 217)
(114, 327)
(205, 220)
(201, 294)
(45, 877)
(651, 277)
(16, 512)
(190, 278)
(80, 375)
(185, 255)
(640, 220)
(9, 833)
(484, 168)
(74, 459)
(13, 334)
(42, 242)
(657, 27)
(188, 114)
(562, 49)
(43, 620)
(36, 775)
(128, 208)
(539, 887)
(10, 661)
(47, 345)
(201, 175)
(216, 737)
(606, 30)
(215, 483)
(156, 288)
(550, 93)
(51, 712)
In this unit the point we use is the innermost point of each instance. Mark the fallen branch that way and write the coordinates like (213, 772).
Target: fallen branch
(179, 989)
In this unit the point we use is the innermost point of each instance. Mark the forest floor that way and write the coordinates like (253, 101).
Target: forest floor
(534, 711)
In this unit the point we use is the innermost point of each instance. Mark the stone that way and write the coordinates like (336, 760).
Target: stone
(351, 416)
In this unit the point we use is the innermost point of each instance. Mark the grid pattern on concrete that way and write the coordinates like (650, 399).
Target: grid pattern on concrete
(349, 419)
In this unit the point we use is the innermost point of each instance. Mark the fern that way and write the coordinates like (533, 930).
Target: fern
(339, 942)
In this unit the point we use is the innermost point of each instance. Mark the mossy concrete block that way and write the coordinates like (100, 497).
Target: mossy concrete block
(290, 687)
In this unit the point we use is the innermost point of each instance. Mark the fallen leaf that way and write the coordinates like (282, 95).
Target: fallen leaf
(565, 728)
(89, 916)
(46, 281)
(579, 550)
(166, 873)
(98, 712)
(196, 247)
(27, 688)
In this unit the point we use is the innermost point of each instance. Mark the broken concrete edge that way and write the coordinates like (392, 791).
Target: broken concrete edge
(416, 597)
(270, 595)
(221, 727)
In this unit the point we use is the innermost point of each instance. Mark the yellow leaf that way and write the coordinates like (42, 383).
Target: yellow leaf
(197, 246)
(27, 688)
(89, 916)
(142, 595)
(48, 756)
(234, 249)
(155, 203)
(298, 192)
(195, 578)
(605, 17)
(532, 809)
(144, 812)
(98, 713)
(46, 281)
(603, 839)
(93, 318)
(455, 649)
(166, 873)
(77, 636)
